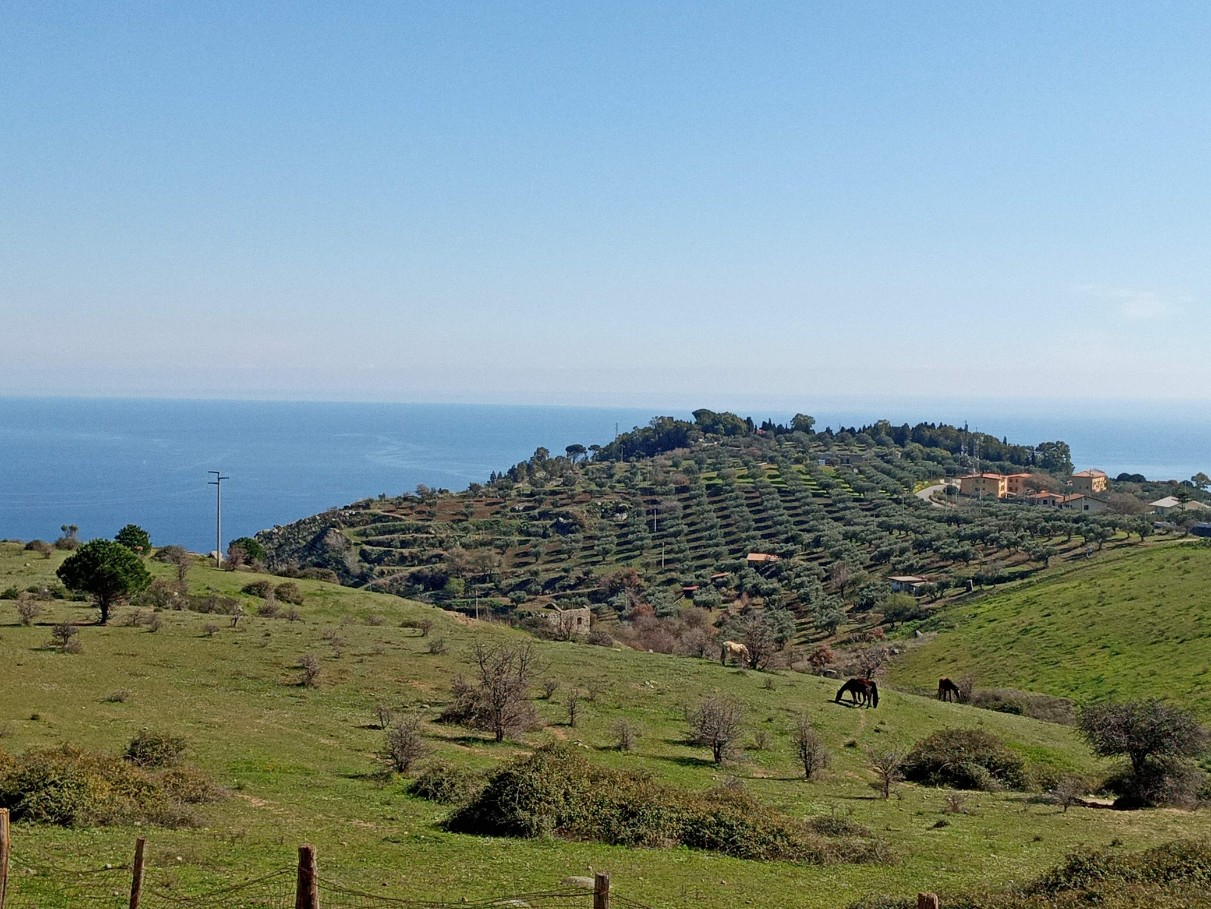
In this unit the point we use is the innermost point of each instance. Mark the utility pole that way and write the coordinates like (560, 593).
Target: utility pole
(217, 483)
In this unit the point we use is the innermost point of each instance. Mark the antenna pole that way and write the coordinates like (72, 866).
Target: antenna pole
(217, 483)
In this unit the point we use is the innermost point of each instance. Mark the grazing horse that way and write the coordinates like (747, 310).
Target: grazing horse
(735, 651)
(947, 690)
(861, 691)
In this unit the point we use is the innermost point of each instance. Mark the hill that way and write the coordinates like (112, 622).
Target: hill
(715, 513)
(299, 762)
(1134, 624)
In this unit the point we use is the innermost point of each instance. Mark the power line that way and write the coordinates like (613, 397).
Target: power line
(217, 483)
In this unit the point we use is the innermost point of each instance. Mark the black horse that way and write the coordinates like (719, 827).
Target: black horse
(862, 692)
(947, 690)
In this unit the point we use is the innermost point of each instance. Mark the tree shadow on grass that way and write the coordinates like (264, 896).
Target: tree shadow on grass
(690, 761)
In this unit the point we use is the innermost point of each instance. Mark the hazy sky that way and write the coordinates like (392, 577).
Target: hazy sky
(605, 202)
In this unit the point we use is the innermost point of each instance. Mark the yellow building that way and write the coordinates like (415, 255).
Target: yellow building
(1014, 484)
(1089, 481)
(984, 484)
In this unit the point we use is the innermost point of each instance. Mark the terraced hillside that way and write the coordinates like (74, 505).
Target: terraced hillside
(811, 522)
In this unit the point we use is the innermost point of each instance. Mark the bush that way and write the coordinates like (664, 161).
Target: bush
(964, 759)
(64, 636)
(72, 787)
(260, 589)
(555, 792)
(41, 547)
(289, 592)
(446, 784)
(28, 609)
(404, 744)
(151, 749)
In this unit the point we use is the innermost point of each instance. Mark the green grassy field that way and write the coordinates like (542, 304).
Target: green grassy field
(1132, 624)
(299, 762)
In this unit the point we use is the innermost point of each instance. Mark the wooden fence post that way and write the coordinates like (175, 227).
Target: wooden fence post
(306, 893)
(5, 848)
(136, 879)
(601, 891)
(927, 901)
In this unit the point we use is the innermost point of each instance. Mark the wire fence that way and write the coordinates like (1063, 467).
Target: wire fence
(29, 885)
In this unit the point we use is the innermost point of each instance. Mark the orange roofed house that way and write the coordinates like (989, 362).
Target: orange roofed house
(984, 484)
(1089, 481)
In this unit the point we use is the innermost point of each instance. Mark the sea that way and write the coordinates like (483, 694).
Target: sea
(101, 463)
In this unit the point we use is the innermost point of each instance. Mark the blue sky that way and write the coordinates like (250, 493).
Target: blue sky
(606, 202)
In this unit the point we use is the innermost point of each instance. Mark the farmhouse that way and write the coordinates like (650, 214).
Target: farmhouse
(757, 558)
(1173, 503)
(569, 623)
(909, 583)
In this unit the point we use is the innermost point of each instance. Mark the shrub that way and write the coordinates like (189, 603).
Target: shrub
(260, 588)
(446, 784)
(41, 547)
(625, 735)
(118, 696)
(964, 759)
(155, 749)
(289, 592)
(557, 792)
(438, 646)
(812, 753)
(309, 670)
(64, 636)
(72, 787)
(404, 745)
(28, 609)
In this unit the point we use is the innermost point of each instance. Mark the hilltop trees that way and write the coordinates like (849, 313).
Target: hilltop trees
(107, 571)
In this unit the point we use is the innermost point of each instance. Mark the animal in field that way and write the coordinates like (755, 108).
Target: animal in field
(947, 690)
(862, 692)
(733, 650)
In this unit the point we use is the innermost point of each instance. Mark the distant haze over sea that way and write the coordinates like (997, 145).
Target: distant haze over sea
(102, 463)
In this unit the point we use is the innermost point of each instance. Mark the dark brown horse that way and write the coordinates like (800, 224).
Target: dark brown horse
(947, 690)
(862, 692)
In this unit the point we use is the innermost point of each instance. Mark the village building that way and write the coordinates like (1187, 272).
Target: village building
(1089, 481)
(1174, 504)
(994, 485)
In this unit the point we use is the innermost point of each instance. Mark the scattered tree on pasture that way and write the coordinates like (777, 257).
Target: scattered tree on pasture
(716, 723)
(810, 749)
(107, 571)
(497, 699)
(1157, 738)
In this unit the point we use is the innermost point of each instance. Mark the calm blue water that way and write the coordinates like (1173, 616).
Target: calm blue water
(102, 463)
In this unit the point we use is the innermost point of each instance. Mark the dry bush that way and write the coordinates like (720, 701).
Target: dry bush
(625, 735)
(27, 608)
(812, 753)
(716, 723)
(309, 670)
(404, 745)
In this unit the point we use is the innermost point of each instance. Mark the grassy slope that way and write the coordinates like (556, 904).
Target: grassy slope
(298, 760)
(1135, 624)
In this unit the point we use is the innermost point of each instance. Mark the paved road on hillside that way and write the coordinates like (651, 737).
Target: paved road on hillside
(926, 495)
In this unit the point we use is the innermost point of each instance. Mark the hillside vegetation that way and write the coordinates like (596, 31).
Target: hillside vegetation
(715, 512)
(300, 763)
(1135, 624)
